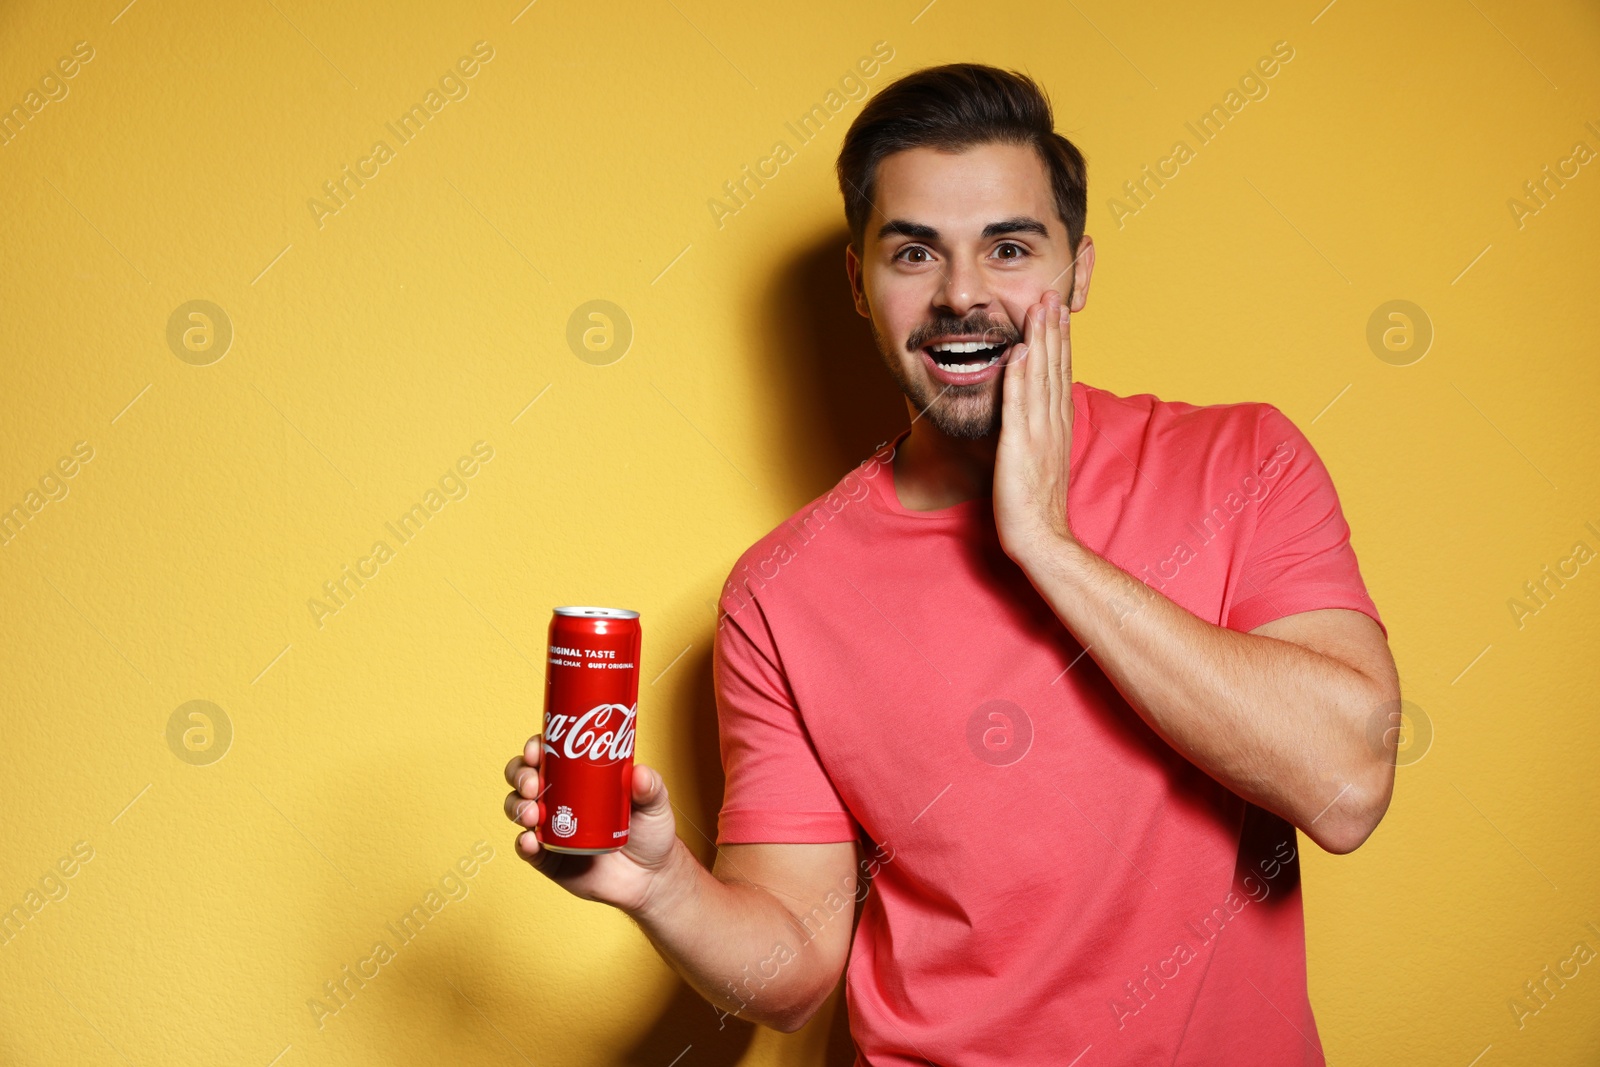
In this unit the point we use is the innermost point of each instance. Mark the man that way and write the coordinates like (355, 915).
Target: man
(1057, 672)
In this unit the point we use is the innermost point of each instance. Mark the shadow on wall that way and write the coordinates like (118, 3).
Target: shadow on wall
(832, 403)
(832, 400)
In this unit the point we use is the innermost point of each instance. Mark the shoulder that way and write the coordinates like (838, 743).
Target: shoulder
(1205, 428)
(832, 522)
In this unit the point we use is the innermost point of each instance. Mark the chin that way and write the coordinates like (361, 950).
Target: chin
(968, 431)
(963, 421)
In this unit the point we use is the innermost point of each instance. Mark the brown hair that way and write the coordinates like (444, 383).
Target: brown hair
(952, 108)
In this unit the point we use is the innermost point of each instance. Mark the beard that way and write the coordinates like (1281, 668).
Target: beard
(964, 412)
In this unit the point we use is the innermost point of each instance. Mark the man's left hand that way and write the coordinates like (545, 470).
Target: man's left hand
(1035, 448)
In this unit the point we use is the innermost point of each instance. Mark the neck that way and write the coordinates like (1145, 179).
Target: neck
(933, 471)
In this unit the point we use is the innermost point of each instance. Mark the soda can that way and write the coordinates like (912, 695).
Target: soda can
(591, 702)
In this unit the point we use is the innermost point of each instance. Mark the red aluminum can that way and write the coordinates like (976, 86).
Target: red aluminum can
(591, 701)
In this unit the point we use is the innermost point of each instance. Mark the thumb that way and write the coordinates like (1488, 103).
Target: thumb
(649, 791)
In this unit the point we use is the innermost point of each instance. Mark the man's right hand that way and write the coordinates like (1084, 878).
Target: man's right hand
(711, 926)
(628, 878)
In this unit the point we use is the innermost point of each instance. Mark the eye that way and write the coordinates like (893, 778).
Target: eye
(910, 248)
(1021, 251)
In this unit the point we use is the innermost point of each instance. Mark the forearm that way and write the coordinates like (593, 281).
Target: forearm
(1279, 724)
(737, 944)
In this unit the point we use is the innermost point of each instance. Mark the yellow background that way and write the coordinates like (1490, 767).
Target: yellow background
(372, 351)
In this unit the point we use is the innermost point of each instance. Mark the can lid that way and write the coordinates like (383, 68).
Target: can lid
(598, 613)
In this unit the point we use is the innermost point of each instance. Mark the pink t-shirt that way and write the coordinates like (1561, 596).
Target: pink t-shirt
(1053, 882)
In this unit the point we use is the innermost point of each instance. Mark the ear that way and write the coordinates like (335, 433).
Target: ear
(854, 270)
(1082, 268)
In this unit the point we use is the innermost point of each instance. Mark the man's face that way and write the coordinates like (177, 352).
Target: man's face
(958, 247)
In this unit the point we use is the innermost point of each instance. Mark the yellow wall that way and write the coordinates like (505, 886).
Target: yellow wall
(374, 345)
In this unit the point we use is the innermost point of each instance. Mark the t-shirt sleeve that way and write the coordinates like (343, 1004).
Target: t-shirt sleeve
(777, 790)
(1299, 556)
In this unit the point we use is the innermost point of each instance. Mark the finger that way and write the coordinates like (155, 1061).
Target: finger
(526, 782)
(533, 751)
(513, 769)
(1052, 347)
(527, 846)
(1013, 409)
(1038, 368)
(1015, 395)
(519, 809)
(1066, 359)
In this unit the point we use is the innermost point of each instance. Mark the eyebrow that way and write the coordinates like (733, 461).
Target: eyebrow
(919, 231)
(1020, 224)
(902, 228)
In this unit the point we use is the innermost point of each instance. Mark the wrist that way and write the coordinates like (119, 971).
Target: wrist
(668, 885)
(1045, 548)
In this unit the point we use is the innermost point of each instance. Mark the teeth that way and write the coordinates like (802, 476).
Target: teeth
(967, 368)
(961, 346)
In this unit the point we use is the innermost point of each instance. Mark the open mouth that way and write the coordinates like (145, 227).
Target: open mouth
(965, 357)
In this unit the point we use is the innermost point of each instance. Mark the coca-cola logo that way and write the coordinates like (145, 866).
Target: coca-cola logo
(604, 733)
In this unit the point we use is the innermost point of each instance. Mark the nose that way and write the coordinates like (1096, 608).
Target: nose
(965, 287)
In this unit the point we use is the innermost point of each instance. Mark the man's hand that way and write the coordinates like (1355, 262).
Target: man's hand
(711, 928)
(624, 879)
(1035, 448)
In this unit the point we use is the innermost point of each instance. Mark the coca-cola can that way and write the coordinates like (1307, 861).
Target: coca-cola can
(591, 701)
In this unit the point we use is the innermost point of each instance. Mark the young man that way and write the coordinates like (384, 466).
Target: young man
(1057, 672)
